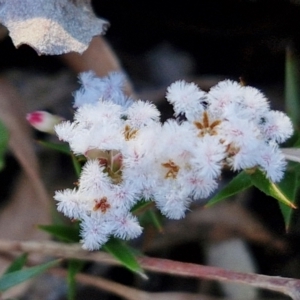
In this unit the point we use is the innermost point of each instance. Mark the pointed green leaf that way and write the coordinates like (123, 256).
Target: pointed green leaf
(11, 279)
(76, 165)
(141, 206)
(151, 217)
(271, 189)
(289, 187)
(17, 264)
(292, 86)
(124, 254)
(74, 266)
(155, 220)
(4, 138)
(239, 183)
(63, 232)
(64, 148)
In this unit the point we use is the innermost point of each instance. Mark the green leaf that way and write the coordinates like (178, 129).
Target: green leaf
(271, 189)
(17, 264)
(239, 183)
(74, 266)
(63, 148)
(289, 187)
(76, 165)
(63, 232)
(141, 206)
(151, 217)
(4, 138)
(11, 279)
(292, 86)
(124, 254)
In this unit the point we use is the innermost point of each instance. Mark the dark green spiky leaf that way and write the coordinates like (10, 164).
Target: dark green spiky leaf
(4, 138)
(239, 183)
(141, 206)
(11, 279)
(292, 86)
(74, 266)
(270, 188)
(124, 254)
(151, 217)
(17, 264)
(289, 187)
(76, 165)
(63, 148)
(63, 232)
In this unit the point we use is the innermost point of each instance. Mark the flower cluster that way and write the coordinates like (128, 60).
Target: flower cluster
(131, 155)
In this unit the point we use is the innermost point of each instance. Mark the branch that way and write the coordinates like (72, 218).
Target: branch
(126, 292)
(287, 286)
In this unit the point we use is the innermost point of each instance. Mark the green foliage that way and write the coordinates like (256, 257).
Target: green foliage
(64, 233)
(284, 192)
(17, 264)
(63, 148)
(13, 278)
(268, 187)
(292, 87)
(74, 267)
(4, 138)
(115, 247)
(239, 183)
(124, 254)
(289, 186)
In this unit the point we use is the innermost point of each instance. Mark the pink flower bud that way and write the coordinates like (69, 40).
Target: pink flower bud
(43, 121)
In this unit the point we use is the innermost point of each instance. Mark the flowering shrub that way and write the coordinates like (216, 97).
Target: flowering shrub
(130, 155)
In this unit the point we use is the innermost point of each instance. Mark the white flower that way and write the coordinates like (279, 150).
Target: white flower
(272, 161)
(132, 156)
(65, 130)
(112, 86)
(186, 98)
(239, 132)
(277, 126)
(172, 200)
(93, 88)
(70, 203)
(223, 95)
(93, 180)
(200, 186)
(253, 103)
(142, 113)
(94, 232)
(243, 157)
(124, 195)
(126, 226)
(209, 154)
(102, 112)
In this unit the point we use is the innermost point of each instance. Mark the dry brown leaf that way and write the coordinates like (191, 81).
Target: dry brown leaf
(29, 203)
(53, 26)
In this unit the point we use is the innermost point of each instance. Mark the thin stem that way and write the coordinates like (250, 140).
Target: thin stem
(288, 286)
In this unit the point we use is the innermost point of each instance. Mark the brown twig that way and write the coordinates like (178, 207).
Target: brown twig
(287, 286)
(107, 285)
(126, 292)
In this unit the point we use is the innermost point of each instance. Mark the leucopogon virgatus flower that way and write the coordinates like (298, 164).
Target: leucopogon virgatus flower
(131, 155)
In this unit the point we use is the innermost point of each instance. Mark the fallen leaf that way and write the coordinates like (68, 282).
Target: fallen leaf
(51, 27)
(29, 204)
